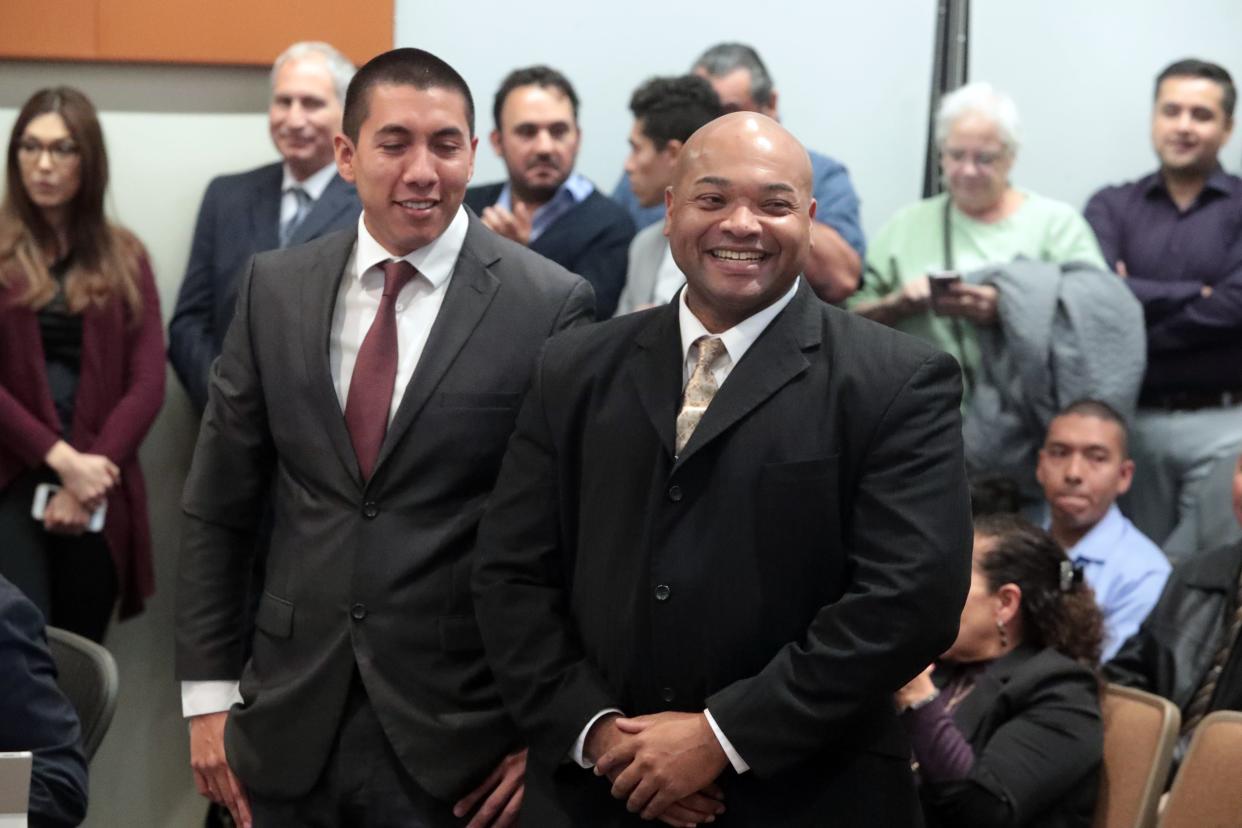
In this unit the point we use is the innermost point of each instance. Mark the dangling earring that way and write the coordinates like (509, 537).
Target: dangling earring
(1004, 634)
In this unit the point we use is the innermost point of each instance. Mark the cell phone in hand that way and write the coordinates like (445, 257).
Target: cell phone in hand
(43, 493)
(941, 282)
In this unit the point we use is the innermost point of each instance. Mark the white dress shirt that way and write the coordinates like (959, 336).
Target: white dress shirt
(737, 341)
(357, 303)
(313, 185)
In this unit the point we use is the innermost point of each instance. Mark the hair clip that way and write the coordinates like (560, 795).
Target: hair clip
(1071, 575)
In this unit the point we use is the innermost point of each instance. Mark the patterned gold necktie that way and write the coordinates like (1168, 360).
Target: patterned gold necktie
(700, 390)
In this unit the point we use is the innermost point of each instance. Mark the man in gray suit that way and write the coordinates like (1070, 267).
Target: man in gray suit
(369, 381)
(667, 111)
(297, 199)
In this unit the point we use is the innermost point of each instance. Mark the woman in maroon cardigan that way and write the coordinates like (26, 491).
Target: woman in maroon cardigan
(81, 373)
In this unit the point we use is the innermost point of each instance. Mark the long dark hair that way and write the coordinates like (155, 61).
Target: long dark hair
(105, 257)
(1058, 607)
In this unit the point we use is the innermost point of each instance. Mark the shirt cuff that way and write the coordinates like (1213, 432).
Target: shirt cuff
(580, 744)
(199, 698)
(735, 758)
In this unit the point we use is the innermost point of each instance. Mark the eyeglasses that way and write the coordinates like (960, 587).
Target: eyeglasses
(981, 159)
(61, 152)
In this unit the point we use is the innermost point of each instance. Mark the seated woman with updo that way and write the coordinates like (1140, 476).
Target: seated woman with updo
(81, 374)
(1006, 728)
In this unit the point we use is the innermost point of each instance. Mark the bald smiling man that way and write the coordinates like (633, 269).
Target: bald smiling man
(725, 531)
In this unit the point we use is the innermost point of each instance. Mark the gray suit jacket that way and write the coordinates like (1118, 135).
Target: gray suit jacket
(370, 577)
(646, 253)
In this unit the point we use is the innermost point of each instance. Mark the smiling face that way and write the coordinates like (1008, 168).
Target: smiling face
(411, 164)
(538, 140)
(1083, 468)
(304, 115)
(1189, 124)
(739, 217)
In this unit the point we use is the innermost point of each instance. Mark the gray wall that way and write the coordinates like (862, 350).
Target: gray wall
(853, 80)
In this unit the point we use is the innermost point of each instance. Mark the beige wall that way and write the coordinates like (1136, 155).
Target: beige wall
(169, 130)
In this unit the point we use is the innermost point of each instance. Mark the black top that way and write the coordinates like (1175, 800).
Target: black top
(62, 346)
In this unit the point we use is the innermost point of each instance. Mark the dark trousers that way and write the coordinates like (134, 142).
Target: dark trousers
(71, 579)
(363, 785)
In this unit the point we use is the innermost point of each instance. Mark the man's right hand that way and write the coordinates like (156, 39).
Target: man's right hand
(212, 775)
(697, 809)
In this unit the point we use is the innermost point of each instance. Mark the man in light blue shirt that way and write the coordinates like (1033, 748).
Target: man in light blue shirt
(1084, 466)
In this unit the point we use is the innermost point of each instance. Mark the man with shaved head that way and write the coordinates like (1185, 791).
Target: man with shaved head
(726, 530)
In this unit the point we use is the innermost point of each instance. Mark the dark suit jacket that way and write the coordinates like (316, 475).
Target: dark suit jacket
(806, 555)
(240, 216)
(36, 716)
(592, 240)
(1033, 720)
(370, 577)
(120, 391)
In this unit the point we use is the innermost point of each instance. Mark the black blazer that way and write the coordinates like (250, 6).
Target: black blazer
(804, 557)
(592, 240)
(374, 577)
(36, 716)
(1033, 719)
(239, 216)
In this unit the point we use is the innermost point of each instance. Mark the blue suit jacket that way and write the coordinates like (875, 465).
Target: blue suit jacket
(239, 217)
(36, 716)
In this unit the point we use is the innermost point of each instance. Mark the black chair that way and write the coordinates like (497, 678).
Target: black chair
(89, 678)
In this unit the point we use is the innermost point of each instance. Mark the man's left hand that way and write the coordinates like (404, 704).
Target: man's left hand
(671, 756)
(974, 302)
(503, 789)
(513, 225)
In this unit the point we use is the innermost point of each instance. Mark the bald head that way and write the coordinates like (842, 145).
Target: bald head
(758, 136)
(739, 217)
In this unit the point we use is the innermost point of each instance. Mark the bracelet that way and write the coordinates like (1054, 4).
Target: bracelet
(923, 702)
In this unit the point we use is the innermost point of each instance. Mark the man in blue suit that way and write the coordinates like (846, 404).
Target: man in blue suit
(36, 716)
(278, 205)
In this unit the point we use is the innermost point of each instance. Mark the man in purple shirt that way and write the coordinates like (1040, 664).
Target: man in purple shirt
(1174, 235)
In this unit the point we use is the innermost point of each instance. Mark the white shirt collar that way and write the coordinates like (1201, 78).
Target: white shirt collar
(738, 339)
(435, 260)
(314, 184)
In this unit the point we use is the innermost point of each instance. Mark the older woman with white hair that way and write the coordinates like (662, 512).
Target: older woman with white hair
(981, 219)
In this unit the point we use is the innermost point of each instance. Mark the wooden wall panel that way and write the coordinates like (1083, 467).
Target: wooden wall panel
(64, 29)
(233, 32)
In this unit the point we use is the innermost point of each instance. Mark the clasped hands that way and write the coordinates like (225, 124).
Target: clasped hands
(664, 765)
(977, 303)
(85, 480)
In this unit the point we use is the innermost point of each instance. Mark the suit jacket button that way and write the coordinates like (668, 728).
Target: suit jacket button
(662, 592)
(369, 509)
(358, 612)
(667, 694)
(674, 493)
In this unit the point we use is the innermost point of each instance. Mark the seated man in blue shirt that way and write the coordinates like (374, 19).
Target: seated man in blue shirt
(742, 81)
(545, 205)
(1084, 467)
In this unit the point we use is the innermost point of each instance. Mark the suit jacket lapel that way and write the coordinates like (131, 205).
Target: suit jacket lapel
(265, 209)
(319, 290)
(470, 292)
(655, 369)
(974, 709)
(775, 359)
(337, 198)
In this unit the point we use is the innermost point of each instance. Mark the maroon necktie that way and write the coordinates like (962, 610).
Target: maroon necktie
(375, 373)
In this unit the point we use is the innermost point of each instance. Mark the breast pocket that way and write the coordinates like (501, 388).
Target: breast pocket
(490, 401)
